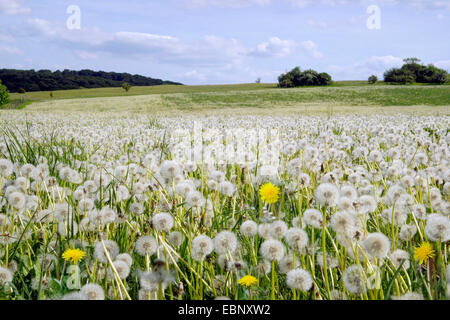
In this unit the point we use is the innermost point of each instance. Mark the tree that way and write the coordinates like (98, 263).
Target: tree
(126, 86)
(297, 78)
(412, 60)
(325, 79)
(402, 76)
(4, 95)
(258, 81)
(373, 79)
(412, 72)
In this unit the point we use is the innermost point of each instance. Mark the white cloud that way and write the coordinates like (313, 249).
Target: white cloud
(12, 7)
(210, 51)
(226, 3)
(275, 47)
(376, 65)
(194, 75)
(85, 55)
(311, 49)
(10, 50)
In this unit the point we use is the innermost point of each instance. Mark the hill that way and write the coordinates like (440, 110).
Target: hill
(46, 80)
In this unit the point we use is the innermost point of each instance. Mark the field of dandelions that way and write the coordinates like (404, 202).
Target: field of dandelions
(95, 207)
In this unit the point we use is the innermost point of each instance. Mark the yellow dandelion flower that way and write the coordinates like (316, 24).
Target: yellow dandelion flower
(424, 252)
(248, 281)
(73, 255)
(269, 193)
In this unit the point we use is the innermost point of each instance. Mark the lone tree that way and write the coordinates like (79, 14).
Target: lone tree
(4, 95)
(22, 92)
(373, 79)
(126, 86)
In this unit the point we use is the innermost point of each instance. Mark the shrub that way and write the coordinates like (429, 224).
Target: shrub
(126, 86)
(373, 79)
(297, 78)
(412, 72)
(4, 95)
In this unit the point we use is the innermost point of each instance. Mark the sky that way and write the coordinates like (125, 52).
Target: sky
(224, 41)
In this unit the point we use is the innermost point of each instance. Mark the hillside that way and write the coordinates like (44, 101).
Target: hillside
(46, 80)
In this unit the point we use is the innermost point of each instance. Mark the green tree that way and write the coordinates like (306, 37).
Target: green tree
(373, 79)
(126, 86)
(325, 79)
(4, 95)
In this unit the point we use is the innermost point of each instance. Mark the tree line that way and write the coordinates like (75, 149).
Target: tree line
(46, 80)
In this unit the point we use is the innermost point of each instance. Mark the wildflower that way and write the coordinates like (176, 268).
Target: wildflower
(162, 221)
(377, 245)
(227, 188)
(122, 268)
(112, 248)
(355, 280)
(73, 255)
(327, 194)
(438, 228)
(175, 238)
(17, 200)
(126, 258)
(146, 245)
(313, 218)
(249, 228)
(225, 242)
(93, 291)
(398, 256)
(424, 252)
(6, 276)
(278, 229)
(299, 279)
(201, 246)
(76, 295)
(269, 193)
(297, 238)
(272, 250)
(194, 199)
(248, 281)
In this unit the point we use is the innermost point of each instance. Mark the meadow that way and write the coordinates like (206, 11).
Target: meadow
(339, 193)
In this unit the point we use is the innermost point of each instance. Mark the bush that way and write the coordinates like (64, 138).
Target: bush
(297, 78)
(21, 91)
(412, 72)
(402, 76)
(126, 86)
(4, 95)
(373, 79)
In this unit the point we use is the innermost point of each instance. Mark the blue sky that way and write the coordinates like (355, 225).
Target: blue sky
(224, 41)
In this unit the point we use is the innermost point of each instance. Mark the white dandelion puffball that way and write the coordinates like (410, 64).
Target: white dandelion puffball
(146, 245)
(272, 250)
(377, 245)
(299, 279)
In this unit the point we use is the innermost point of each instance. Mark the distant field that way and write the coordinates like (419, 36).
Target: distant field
(163, 89)
(247, 98)
(380, 99)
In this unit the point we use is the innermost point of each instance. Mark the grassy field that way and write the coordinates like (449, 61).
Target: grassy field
(254, 99)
